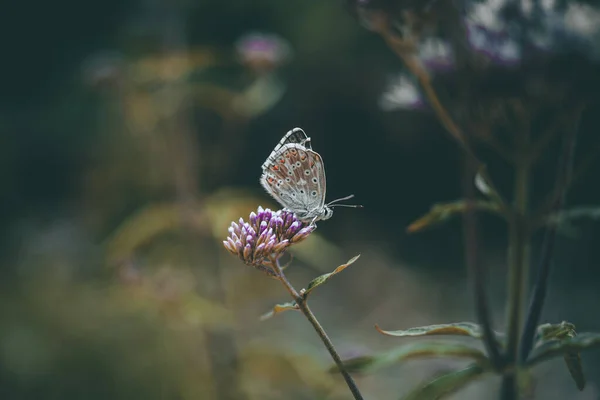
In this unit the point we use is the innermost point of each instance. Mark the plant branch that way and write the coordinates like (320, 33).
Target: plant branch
(518, 248)
(303, 306)
(404, 49)
(477, 272)
(492, 141)
(541, 282)
(518, 256)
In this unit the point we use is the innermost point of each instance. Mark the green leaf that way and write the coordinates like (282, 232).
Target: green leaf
(356, 364)
(549, 334)
(446, 384)
(318, 281)
(416, 351)
(568, 348)
(565, 220)
(457, 328)
(279, 308)
(573, 361)
(444, 211)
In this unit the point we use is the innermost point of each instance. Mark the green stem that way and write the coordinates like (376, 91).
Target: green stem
(477, 271)
(518, 256)
(303, 306)
(541, 278)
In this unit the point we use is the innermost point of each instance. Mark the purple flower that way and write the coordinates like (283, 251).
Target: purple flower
(265, 236)
(402, 93)
(498, 46)
(261, 50)
(436, 54)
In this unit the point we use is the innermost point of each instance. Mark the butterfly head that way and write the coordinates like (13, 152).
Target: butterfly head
(317, 214)
(327, 213)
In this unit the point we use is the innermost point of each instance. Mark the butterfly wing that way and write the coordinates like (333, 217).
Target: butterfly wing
(295, 177)
(295, 135)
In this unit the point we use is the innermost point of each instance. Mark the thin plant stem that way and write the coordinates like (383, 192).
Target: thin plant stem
(303, 306)
(424, 80)
(518, 256)
(405, 51)
(508, 388)
(481, 309)
(477, 271)
(492, 141)
(541, 282)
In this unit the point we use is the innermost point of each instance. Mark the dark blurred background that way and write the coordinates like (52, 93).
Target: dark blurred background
(132, 133)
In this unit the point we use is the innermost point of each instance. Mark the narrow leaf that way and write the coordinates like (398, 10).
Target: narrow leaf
(446, 384)
(416, 351)
(356, 364)
(457, 328)
(549, 332)
(573, 361)
(442, 212)
(482, 185)
(553, 349)
(552, 334)
(279, 308)
(566, 220)
(318, 281)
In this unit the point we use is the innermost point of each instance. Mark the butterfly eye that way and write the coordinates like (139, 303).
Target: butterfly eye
(307, 171)
(314, 180)
(313, 193)
(288, 180)
(290, 173)
(298, 164)
(301, 191)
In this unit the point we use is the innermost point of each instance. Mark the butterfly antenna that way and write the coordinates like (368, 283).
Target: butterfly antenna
(332, 203)
(341, 199)
(347, 205)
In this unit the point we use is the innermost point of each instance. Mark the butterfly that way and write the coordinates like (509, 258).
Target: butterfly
(294, 175)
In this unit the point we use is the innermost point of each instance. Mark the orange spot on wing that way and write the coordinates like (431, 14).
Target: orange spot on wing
(275, 167)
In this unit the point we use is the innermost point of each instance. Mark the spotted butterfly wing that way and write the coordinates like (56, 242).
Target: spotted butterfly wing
(295, 176)
(296, 135)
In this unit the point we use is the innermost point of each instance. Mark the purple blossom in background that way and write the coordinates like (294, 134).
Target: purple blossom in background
(401, 93)
(263, 50)
(266, 235)
(541, 50)
(498, 46)
(436, 55)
